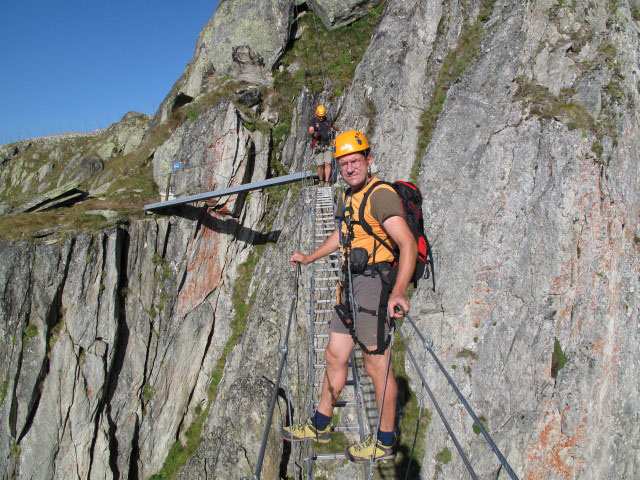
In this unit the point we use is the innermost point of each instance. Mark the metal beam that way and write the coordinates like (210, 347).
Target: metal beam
(247, 187)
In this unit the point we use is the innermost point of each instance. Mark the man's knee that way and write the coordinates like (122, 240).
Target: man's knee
(336, 357)
(376, 364)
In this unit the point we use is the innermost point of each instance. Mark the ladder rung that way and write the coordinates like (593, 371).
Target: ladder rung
(330, 456)
(319, 384)
(324, 310)
(346, 428)
(319, 350)
(321, 335)
(321, 323)
(323, 365)
(324, 279)
(325, 301)
(335, 269)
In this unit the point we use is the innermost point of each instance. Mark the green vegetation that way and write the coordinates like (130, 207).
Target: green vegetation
(544, 104)
(455, 63)
(558, 358)
(14, 448)
(466, 353)
(30, 331)
(54, 334)
(147, 393)
(179, 453)
(413, 421)
(483, 422)
(314, 55)
(192, 115)
(635, 14)
(3, 391)
(443, 456)
(163, 272)
(370, 112)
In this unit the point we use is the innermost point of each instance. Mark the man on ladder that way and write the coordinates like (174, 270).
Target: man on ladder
(320, 128)
(367, 300)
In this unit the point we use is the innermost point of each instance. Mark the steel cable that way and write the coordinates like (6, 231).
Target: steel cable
(284, 348)
(437, 406)
(455, 388)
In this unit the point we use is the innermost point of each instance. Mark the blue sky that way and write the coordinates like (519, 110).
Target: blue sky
(81, 65)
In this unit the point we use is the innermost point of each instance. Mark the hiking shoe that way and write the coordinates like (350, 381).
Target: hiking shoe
(306, 431)
(371, 447)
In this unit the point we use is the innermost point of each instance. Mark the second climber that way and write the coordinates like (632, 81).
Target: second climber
(321, 128)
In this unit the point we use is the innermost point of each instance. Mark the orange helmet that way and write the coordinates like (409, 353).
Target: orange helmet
(349, 142)
(321, 111)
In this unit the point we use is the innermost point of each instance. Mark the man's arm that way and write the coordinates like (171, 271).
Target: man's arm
(330, 245)
(398, 229)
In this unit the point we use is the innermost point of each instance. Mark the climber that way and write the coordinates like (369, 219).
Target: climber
(383, 212)
(320, 128)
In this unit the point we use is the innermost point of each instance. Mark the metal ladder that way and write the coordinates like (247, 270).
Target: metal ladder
(324, 286)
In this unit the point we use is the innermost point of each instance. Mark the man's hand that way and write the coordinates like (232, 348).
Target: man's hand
(328, 246)
(299, 257)
(396, 299)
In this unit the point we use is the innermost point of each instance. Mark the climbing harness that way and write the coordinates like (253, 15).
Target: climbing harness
(355, 262)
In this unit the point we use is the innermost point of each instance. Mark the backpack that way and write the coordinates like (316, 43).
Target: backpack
(411, 198)
(323, 130)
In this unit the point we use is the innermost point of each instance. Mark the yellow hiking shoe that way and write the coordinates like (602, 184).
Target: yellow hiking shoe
(306, 431)
(371, 447)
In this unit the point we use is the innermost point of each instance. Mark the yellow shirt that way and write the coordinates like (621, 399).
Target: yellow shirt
(382, 203)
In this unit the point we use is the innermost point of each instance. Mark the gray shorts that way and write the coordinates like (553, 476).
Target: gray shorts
(366, 291)
(323, 155)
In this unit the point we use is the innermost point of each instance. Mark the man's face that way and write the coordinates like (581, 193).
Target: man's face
(354, 168)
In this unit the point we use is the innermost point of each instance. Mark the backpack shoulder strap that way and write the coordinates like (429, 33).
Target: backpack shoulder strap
(341, 217)
(363, 223)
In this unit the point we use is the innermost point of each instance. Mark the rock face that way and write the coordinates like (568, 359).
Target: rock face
(337, 13)
(533, 210)
(40, 166)
(213, 152)
(110, 350)
(244, 40)
(260, 28)
(519, 122)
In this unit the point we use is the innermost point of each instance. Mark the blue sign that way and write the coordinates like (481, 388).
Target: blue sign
(177, 165)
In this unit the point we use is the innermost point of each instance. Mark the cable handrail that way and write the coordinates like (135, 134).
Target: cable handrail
(283, 350)
(437, 406)
(428, 346)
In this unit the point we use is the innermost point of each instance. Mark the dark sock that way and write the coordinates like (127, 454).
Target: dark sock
(320, 421)
(386, 438)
